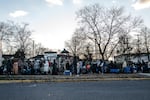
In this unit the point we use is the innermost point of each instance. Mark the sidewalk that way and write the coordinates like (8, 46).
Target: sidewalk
(73, 78)
(145, 74)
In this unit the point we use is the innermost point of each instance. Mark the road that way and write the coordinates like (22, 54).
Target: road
(100, 90)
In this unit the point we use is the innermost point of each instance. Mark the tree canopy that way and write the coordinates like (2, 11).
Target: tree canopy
(104, 25)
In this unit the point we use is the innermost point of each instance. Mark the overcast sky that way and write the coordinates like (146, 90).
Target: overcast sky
(53, 21)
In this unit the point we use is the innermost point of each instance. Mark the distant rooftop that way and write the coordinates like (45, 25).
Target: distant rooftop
(50, 52)
(64, 51)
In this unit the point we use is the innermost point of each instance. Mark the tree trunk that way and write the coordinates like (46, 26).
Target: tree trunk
(100, 52)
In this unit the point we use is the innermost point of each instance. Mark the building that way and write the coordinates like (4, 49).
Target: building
(50, 55)
(38, 57)
(7, 56)
(131, 57)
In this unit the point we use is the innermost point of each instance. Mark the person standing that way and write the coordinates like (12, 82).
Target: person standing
(124, 64)
(54, 71)
(143, 67)
(46, 67)
(15, 67)
(78, 67)
(67, 66)
(148, 66)
(9, 66)
(36, 67)
(102, 67)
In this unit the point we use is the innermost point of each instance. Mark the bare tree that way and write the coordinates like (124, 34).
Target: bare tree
(102, 26)
(39, 49)
(35, 49)
(9, 48)
(5, 33)
(77, 42)
(5, 30)
(18, 37)
(22, 37)
(145, 34)
(125, 44)
(125, 38)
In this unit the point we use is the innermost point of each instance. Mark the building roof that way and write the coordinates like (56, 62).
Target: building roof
(7, 56)
(38, 57)
(50, 52)
(64, 51)
(132, 54)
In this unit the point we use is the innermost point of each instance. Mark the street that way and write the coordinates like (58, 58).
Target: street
(100, 90)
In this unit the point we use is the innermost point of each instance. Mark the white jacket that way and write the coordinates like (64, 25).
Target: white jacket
(46, 66)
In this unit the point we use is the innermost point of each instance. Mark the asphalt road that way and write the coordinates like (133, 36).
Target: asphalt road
(101, 90)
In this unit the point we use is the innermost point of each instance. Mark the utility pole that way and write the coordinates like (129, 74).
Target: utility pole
(33, 52)
(95, 50)
(138, 47)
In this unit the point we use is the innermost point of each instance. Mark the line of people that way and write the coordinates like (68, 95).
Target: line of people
(37, 67)
(15, 67)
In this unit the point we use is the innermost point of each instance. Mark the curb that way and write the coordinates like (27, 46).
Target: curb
(73, 78)
(70, 80)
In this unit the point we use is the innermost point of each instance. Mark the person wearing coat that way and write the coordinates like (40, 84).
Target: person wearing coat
(15, 67)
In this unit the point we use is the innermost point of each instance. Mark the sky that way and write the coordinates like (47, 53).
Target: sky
(54, 21)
